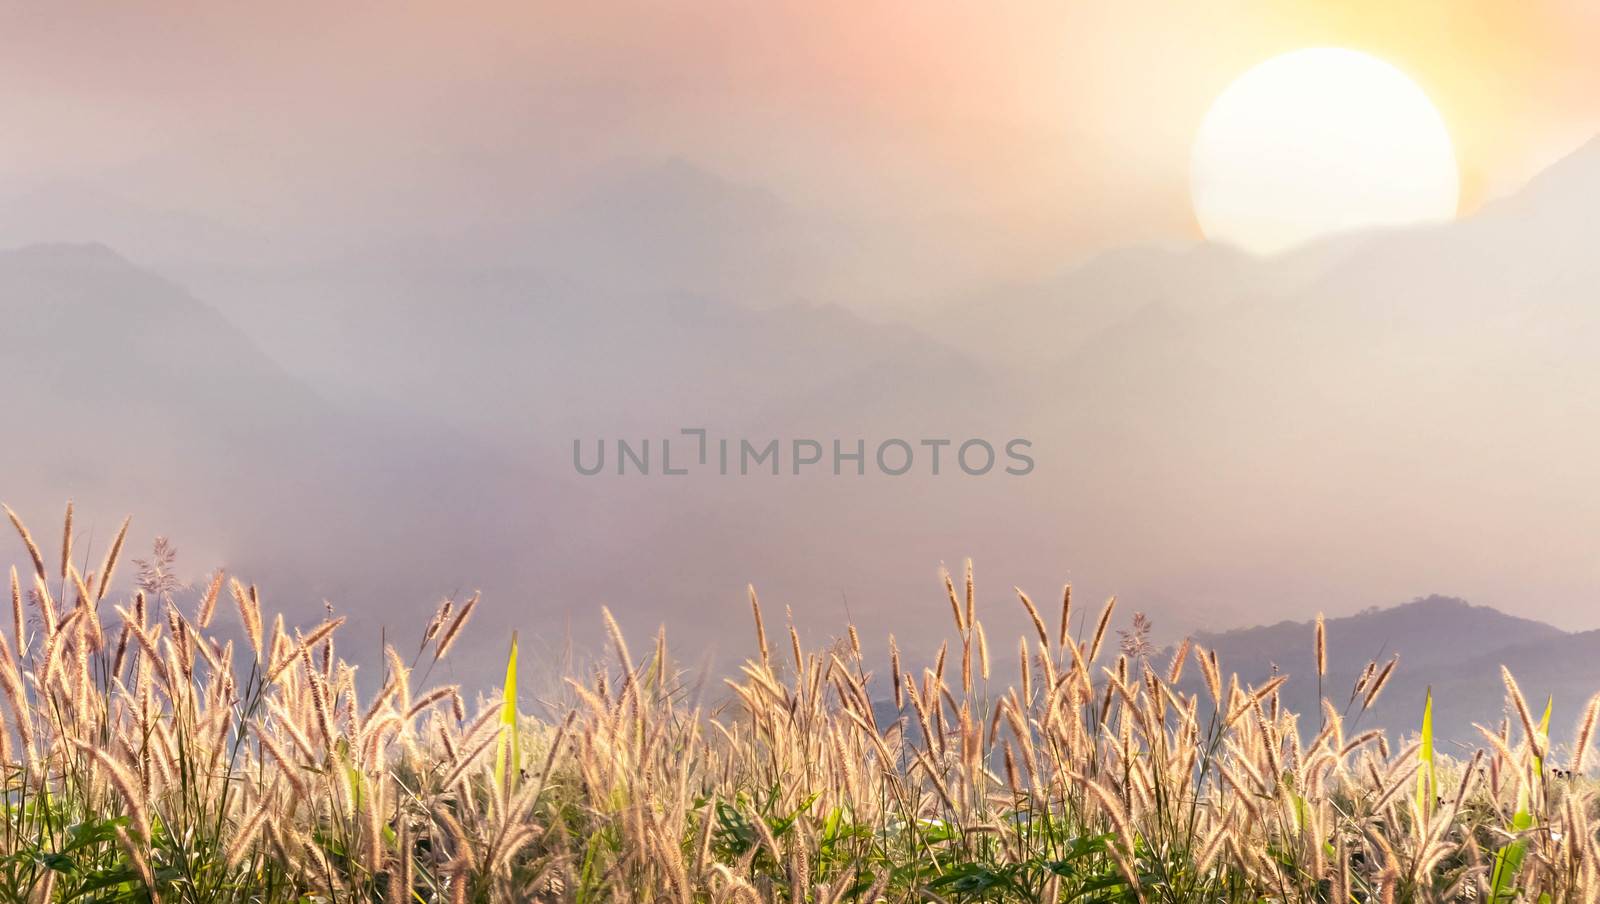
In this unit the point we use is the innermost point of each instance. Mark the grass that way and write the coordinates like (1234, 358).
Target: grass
(145, 759)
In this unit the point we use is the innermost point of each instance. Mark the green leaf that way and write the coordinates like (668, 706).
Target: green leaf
(1427, 786)
(1077, 850)
(61, 863)
(780, 827)
(509, 742)
(975, 879)
(88, 834)
(110, 878)
(1544, 729)
(1507, 861)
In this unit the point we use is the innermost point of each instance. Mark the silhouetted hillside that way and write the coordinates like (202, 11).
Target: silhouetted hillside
(1446, 643)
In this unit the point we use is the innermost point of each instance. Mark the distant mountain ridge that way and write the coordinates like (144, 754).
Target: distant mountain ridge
(1445, 643)
(128, 395)
(1216, 435)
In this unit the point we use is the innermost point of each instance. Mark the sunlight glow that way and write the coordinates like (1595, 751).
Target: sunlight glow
(1317, 142)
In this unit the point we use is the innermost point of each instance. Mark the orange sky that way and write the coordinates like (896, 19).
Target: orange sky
(1033, 132)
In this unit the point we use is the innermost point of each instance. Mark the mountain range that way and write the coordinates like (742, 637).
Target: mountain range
(1217, 436)
(1445, 645)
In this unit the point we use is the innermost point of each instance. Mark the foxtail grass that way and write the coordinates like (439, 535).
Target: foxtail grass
(149, 757)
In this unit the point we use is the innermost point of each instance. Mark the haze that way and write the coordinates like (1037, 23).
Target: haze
(326, 294)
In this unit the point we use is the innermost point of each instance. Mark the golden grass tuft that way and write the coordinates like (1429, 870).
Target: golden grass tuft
(176, 770)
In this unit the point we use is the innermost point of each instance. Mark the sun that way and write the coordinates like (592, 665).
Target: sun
(1317, 142)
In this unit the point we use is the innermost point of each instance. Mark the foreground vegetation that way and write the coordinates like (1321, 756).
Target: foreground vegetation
(146, 760)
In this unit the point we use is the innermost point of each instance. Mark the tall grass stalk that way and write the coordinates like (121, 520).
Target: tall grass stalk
(145, 759)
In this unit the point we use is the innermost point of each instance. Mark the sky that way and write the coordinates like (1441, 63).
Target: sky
(986, 209)
(1014, 138)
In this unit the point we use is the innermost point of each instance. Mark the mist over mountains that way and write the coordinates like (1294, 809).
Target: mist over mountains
(1221, 440)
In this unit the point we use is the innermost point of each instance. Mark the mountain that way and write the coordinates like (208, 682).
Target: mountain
(1043, 323)
(117, 373)
(656, 276)
(1216, 435)
(1406, 409)
(1444, 643)
(174, 241)
(126, 393)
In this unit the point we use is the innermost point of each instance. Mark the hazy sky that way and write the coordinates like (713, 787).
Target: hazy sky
(348, 189)
(993, 137)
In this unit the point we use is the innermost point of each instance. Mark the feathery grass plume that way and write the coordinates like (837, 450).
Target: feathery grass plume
(1136, 645)
(1175, 670)
(761, 628)
(248, 604)
(208, 602)
(66, 541)
(1100, 629)
(1214, 842)
(1322, 647)
(286, 722)
(127, 787)
(469, 759)
(1584, 735)
(401, 877)
(18, 621)
(644, 796)
(1536, 740)
(1209, 671)
(372, 828)
(140, 864)
(27, 541)
(1013, 779)
(46, 604)
(1376, 686)
(321, 705)
(1113, 808)
(322, 632)
(1252, 700)
(1469, 776)
(448, 639)
(972, 597)
(427, 700)
(108, 568)
(983, 651)
(1066, 616)
(91, 621)
(955, 601)
(966, 664)
(286, 765)
(435, 624)
(1363, 678)
(248, 831)
(794, 645)
(895, 674)
(1025, 672)
(16, 695)
(1033, 614)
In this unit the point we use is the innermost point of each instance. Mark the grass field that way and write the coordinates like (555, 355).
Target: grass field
(146, 760)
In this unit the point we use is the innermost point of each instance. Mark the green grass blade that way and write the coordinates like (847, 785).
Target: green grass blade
(1508, 860)
(1544, 729)
(1427, 786)
(510, 748)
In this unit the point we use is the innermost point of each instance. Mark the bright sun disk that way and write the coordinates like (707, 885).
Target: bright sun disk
(1317, 142)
